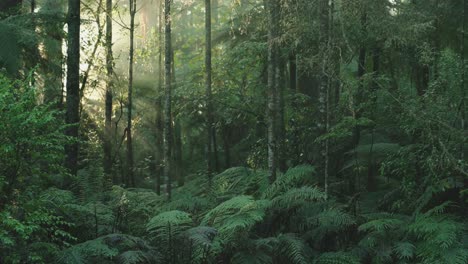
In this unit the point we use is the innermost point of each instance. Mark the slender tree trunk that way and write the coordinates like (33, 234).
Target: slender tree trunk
(292, 72)
(325, 84)
(177, 135)
(358, 100)
(208, 94)
(178, 153)
(73, 85)
(371, 169)
(463, 84)
(281, 126)
(130, 172)
(226, 146)
(159, 102)
(272, 7)
(167, 100)
(108, 96)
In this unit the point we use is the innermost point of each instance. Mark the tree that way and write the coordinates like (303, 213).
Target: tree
(159, 155)
(273, 7)
(72, 117)
(210, 129)
(108, 95)
(130, 172)
(167, 138)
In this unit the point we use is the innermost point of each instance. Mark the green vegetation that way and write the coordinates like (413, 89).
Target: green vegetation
(263, 131)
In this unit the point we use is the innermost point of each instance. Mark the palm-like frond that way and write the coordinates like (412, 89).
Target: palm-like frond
(296, 197)
(336, 258)
(236, 216)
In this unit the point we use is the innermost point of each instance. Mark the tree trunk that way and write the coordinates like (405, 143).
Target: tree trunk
(178, 153)
(72, 117)
(463, 85)
(325, 84)
(371, 169)
(108, 96)
(226, 146)
(272, 7)
(159, 111)
(208, 94)
(292, 73)
(281, 127)
(167, 100)
(130, 172)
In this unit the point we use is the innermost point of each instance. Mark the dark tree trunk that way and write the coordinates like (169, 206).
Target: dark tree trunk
(227, 146)
(359, 96)
(281, 126)
(108, 96)
(272, 8)
(178, 153)
(159, 110)
(325, 84)
(372, 166)
(72, 116)
(167, 99)
(210, 142)
(292, 73)
(130, 165)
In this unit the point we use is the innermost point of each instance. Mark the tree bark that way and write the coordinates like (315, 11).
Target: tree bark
(130, 165)
(72, 117)
(159, 110)
(208, 94)
(281, 126)
(108, 96)
(272, 7)
(167, 99)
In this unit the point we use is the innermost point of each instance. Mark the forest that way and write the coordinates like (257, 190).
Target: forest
(233, 131)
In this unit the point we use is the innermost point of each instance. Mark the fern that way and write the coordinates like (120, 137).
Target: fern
(336, 258)
(170, 223)
(236, 216)
(293, 178)
(297, 197)
(248, 257)
(126, 249)
(293, 249)
(330, 221)
(404, 250)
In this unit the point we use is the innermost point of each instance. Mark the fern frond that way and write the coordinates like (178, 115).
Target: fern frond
(380, 225)
(336, 258)
(236, 215)
(248, 257)
(296, 197)
(294, 178)
(201, 235)
(404, 250)
(293, 249)
(332, 220)
(106, 248)
(177, 220)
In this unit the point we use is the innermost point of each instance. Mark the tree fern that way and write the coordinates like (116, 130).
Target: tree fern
(169, 224)
(330, 221)
(336, 258)
(293, 178)
(293, 249)
(123, 248)
(236, 216)
(296, 197)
